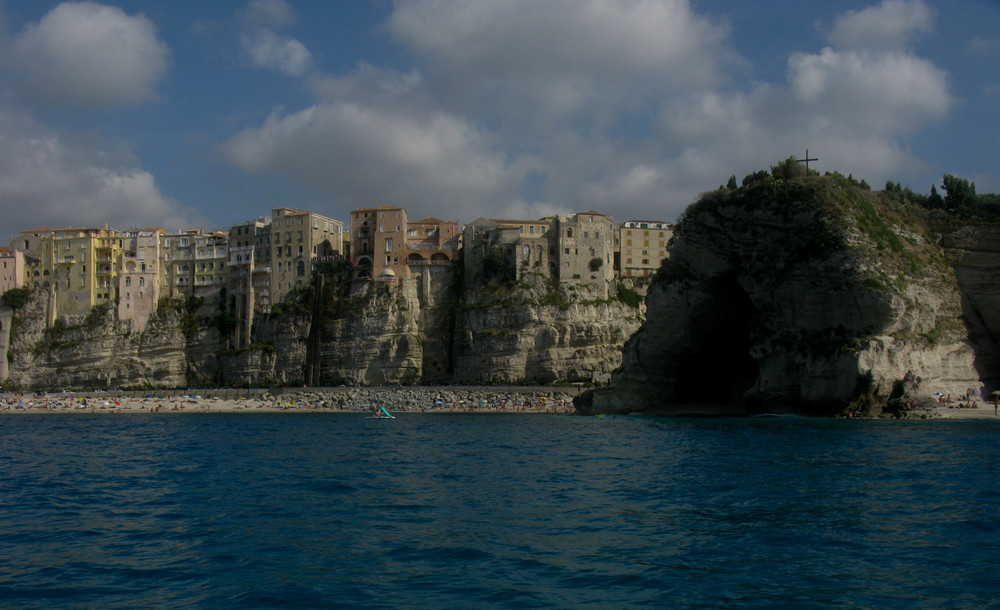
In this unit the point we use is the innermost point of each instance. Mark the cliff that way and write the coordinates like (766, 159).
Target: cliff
(804, 294)
(422, 329)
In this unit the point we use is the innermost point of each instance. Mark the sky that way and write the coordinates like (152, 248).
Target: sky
(193, 114)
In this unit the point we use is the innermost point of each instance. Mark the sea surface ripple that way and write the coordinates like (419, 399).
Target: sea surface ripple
(459, 511)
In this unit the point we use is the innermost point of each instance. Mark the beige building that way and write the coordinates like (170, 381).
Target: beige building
(643, 246)
(194, 263)
(12, 271)
(525, 245)
(249, 273)
(298, 240)
(586, 249)
(379, 242)
(138, 279)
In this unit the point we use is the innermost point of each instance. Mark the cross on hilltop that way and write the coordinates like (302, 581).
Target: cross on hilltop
(806, 160)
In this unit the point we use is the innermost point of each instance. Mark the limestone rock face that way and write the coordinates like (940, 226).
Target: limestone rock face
(417, 330)
(540, 344)
(97, 351)
(809, 295)
(974, 253)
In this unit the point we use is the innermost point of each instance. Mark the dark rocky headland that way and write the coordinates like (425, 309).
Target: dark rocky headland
(809, 294)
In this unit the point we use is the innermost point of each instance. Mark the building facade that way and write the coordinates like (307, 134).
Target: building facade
(526, 246)
(643, 246)
(139, 276)
(194, 263)
(249, 273)
(379, 242)
(430, 241)
(298, 240)
(81, 267)
(586, 250)
(12, 271)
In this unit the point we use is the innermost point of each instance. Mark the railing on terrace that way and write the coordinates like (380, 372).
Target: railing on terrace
(443, 247)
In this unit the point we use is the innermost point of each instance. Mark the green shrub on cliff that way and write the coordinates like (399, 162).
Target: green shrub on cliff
(628, 296)
(891, 233)
(15, 297)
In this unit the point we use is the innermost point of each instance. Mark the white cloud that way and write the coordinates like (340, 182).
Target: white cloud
(615, 39)
(57, 179)
(524, 108)
(889, 93)
(84, 54)
(889, 26)
(282, 53)
(568, 61)
(986, 47)
(268, 49)
(379, 152)
(276, 14)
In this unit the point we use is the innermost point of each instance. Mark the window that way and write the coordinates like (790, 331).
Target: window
(569, 233)
(531, 230)
(388, 245)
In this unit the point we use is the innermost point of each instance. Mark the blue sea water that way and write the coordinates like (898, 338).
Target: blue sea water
(496, 511)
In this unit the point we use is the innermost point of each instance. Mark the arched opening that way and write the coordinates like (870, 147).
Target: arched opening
(439, 257)
(415, 259)
(716, 365)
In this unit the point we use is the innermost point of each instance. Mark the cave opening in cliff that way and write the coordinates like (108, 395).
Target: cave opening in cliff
(717, 366)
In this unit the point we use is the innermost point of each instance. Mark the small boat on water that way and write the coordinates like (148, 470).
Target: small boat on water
(383, 413)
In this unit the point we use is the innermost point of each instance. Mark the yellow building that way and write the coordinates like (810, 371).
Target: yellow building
(80, 267)
(643, 246)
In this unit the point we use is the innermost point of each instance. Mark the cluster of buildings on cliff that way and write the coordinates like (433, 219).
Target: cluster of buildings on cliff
(259, 262)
